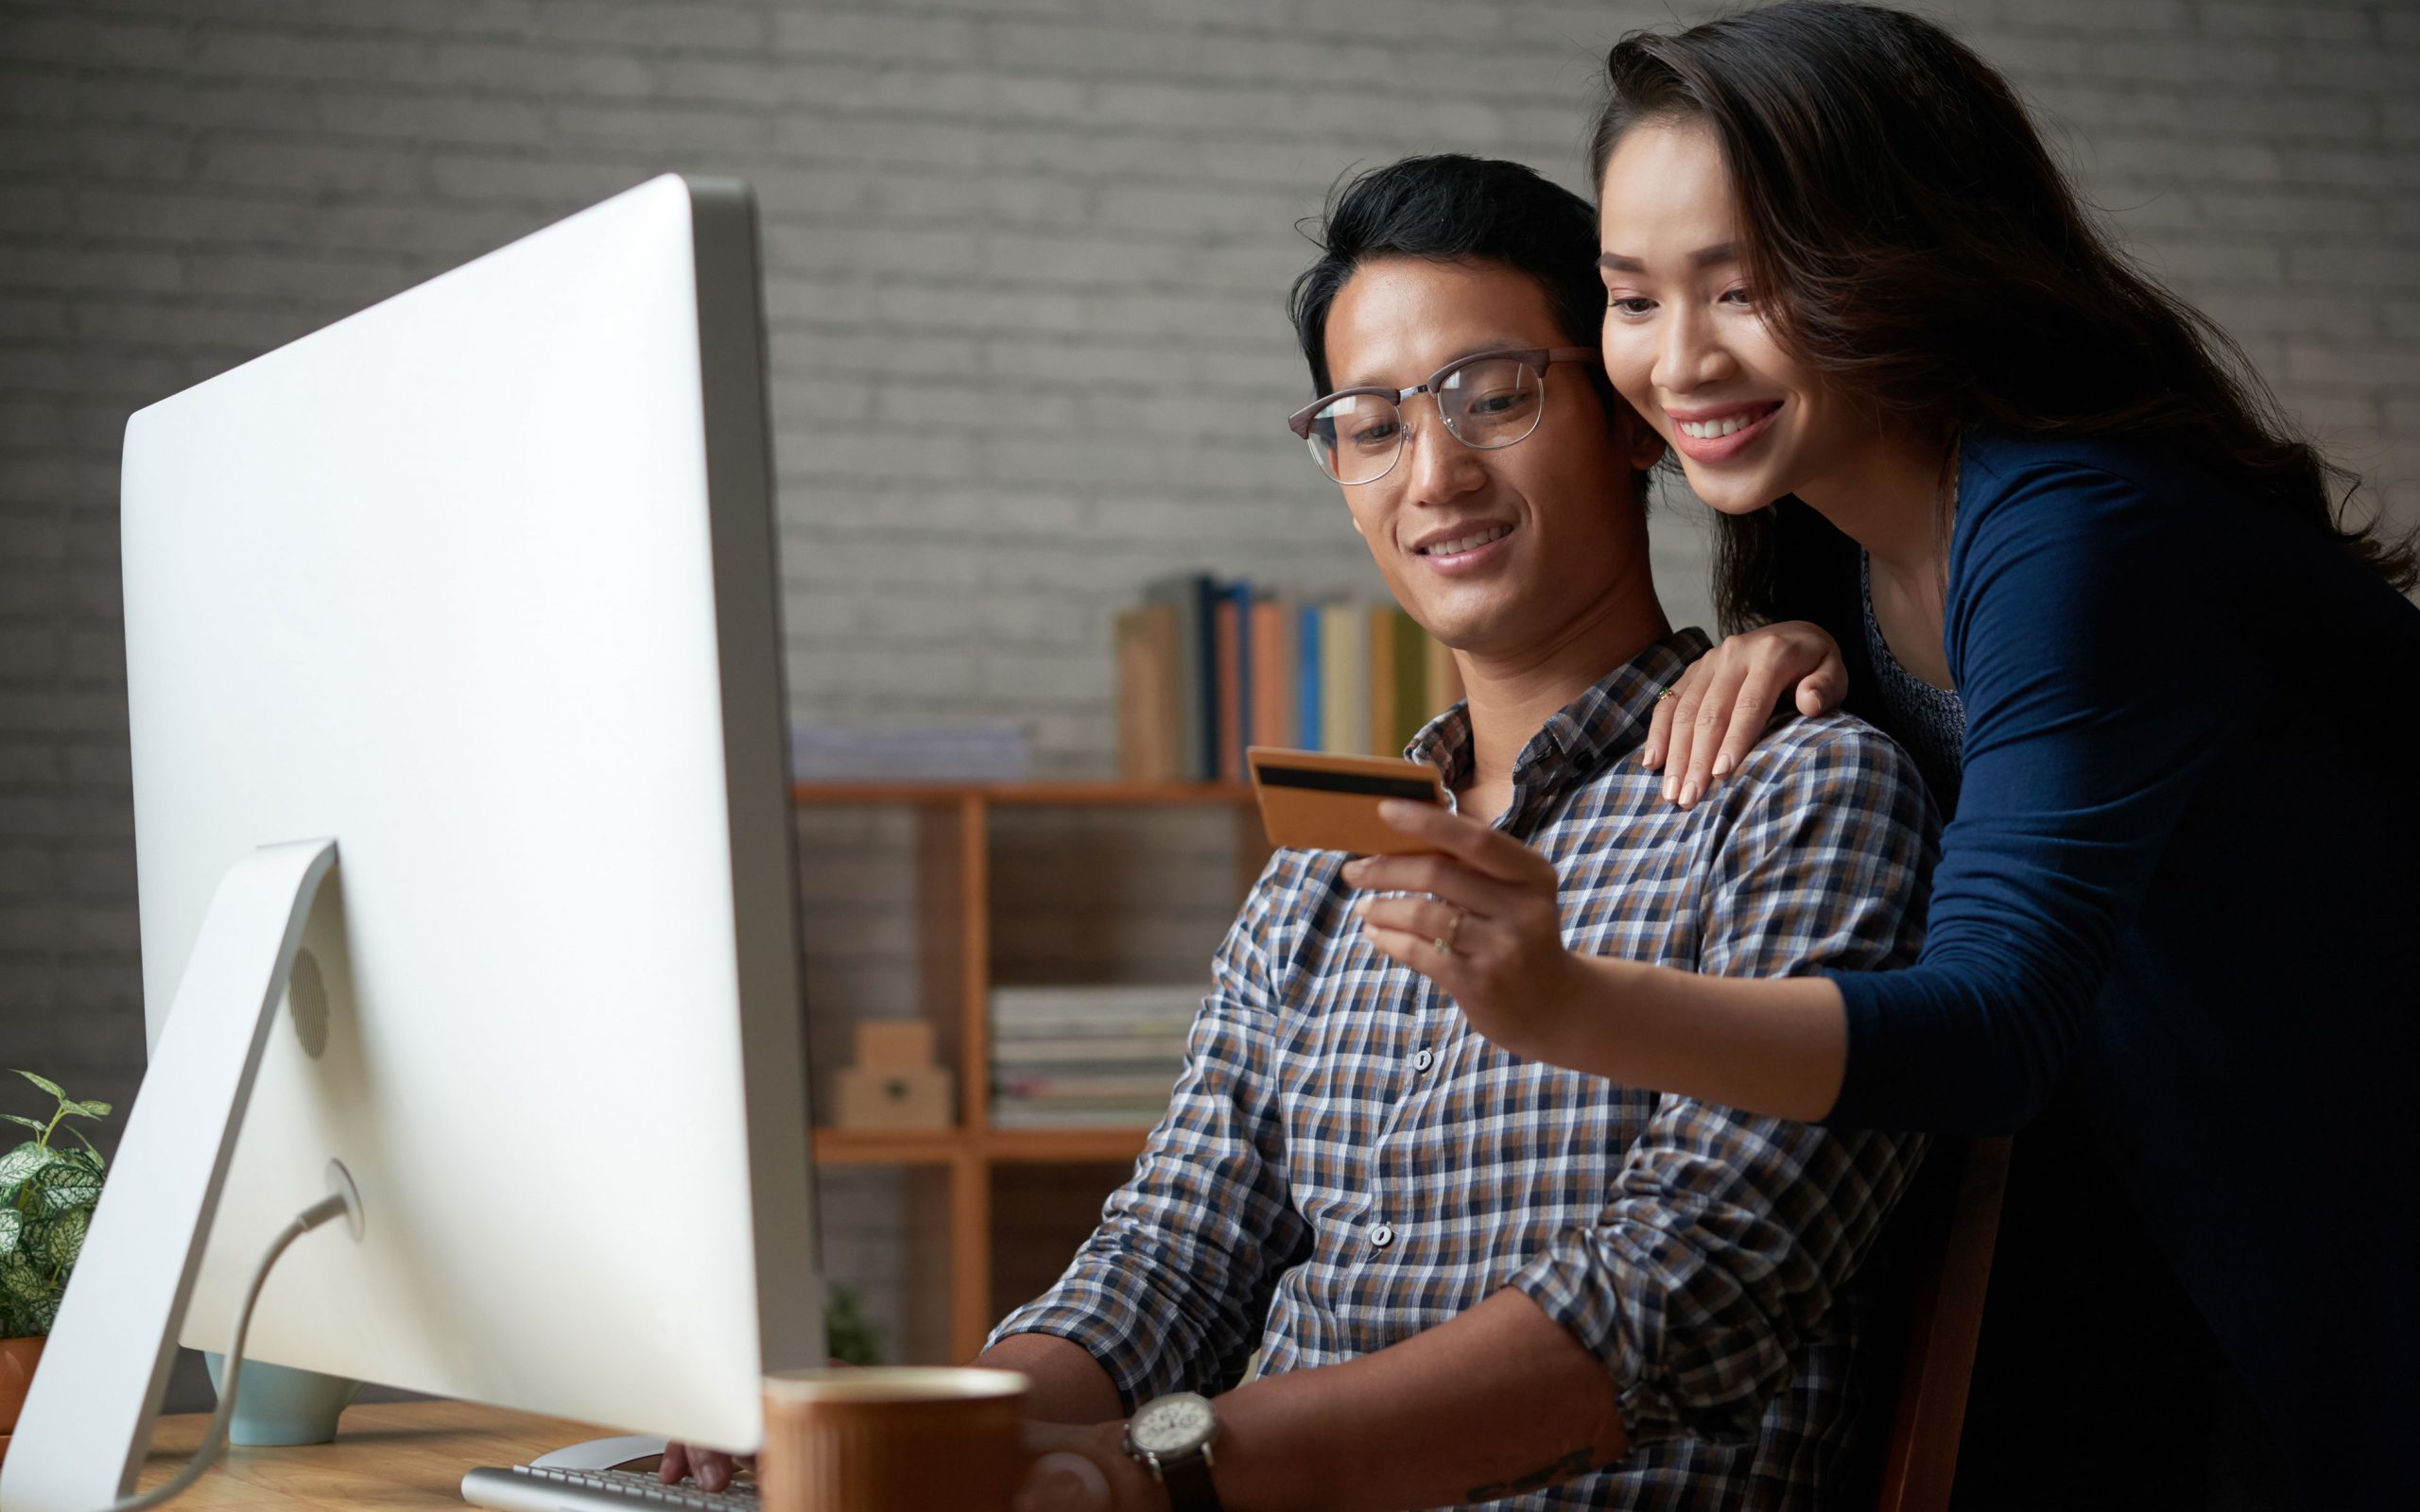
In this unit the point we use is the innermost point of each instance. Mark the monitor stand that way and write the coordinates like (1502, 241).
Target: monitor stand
(87, 1421)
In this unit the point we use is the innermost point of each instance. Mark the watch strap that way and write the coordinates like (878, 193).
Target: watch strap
(1189, 1484)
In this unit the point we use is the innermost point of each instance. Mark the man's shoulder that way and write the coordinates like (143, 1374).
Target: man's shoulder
(1833, 757)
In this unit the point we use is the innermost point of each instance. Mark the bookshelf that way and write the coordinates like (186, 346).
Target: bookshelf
(964, 1166)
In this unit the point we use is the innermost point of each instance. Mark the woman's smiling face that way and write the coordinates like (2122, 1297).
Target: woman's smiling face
(1686, 338)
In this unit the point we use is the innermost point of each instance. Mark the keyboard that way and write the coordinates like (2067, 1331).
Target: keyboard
(555, 1488)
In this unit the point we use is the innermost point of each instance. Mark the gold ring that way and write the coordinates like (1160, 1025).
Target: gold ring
(1445, 942)
(1668, 695)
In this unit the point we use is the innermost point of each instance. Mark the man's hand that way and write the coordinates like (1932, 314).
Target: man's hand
(710, 1468)
(1488, 932)
(1085, 1470)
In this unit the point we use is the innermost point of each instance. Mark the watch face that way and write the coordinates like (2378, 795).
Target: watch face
(1172, 1424)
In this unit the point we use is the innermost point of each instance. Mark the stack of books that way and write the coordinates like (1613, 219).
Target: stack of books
(824, 751)
(1087, 1056)
(1207, 667)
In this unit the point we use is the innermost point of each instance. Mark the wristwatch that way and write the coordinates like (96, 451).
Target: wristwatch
(1172, 1435)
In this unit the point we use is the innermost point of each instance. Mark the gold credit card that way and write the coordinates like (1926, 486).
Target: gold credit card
(1315, 801)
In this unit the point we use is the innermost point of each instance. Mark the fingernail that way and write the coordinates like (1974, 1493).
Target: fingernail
(1722, 765)
(1647, 759)
(1670, 791)
(1394, 809)
(1689, 792)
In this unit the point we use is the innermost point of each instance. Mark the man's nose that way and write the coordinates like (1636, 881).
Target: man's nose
(1440, 467)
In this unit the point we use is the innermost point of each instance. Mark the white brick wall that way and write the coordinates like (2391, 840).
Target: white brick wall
(994, 228)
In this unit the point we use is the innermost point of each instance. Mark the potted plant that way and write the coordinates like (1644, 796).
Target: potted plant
(46, 1197)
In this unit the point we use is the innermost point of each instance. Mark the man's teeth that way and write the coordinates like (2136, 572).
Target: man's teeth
(1448, 548)
(1707, 430)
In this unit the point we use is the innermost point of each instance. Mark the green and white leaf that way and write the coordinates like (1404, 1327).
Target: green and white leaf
(65, 1183)
(90, 1109)
(45, 1084)
(12, 1225)
(34, 1124)
(20, 1163)
(62, 1238)
(21, 1280)
(40, 1313)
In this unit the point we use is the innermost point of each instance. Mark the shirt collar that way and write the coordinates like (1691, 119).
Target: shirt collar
(1607, 719)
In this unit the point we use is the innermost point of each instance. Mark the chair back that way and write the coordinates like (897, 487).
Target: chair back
(1956, 1225)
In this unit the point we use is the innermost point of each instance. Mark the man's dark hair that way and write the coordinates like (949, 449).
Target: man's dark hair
(1452, 208)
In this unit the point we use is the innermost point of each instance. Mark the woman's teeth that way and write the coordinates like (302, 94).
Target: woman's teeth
(1448, 548)
(1708, 430)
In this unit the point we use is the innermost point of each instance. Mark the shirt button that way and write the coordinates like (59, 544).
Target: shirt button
(1426, 1058)
(1382, 1235)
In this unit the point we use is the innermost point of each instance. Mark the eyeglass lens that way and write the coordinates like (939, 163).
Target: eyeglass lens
(1487, 404)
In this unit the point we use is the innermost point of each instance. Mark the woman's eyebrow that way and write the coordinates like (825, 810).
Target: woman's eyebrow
(1718, 253)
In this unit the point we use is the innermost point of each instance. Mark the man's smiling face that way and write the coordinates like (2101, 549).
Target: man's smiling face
(1493, 552)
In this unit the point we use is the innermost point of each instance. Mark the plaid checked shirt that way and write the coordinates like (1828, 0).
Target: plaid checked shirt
(1346, 1162)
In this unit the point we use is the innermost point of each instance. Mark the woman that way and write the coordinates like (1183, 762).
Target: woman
(2031, 513)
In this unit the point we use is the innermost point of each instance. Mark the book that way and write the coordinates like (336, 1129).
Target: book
(1012, 1114)
(1412, 683)
(1114, 1050)
(1133, 1087)
(823, 752)
(1190, 595)
(1344, 679)
(1271, 644)
(1151, 726)
(1443, 687)
(1381, 683)
(1307, 735)
(1231, 621)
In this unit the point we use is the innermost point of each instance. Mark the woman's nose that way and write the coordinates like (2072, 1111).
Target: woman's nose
(1689, 356)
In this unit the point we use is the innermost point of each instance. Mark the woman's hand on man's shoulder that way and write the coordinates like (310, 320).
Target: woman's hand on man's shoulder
(1721, 705)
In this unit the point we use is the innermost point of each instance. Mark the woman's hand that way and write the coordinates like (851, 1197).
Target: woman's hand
(1491, 901)
(1720, 708)
(1085, 1470)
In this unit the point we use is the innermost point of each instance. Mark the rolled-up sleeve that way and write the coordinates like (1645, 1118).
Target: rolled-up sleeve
(1728, 1239)
(1170, 1291)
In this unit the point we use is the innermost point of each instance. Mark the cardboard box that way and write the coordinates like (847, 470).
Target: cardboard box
(895, 1044)
(894, 1097)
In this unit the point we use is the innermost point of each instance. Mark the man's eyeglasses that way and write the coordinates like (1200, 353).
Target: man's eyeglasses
(1489, 400)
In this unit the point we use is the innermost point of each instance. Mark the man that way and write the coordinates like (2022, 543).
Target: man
(1472, 1277)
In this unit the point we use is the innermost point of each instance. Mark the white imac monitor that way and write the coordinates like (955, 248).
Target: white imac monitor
(479, 584)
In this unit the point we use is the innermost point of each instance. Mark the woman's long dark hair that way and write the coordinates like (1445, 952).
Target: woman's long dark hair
(1909, 237)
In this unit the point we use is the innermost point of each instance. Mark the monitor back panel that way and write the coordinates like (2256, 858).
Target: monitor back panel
(480, 583)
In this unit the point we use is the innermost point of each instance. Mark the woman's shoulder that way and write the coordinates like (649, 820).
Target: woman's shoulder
(2000, 469)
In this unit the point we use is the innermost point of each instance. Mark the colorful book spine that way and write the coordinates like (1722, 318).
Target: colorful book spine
(1150, 728)
(1344, 679)
(1384, 687)
(1307, 734)
(1190, 595)
(1228, 710)
(1273, 703)
(1411, 681)
(1444, 679)
(1234, 719)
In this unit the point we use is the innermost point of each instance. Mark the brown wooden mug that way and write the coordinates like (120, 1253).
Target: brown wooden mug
(891, 1439)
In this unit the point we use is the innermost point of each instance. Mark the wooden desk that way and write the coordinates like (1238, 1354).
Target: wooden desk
(400, 1454)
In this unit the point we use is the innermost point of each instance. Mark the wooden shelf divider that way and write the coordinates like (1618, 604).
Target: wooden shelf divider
(953, 911)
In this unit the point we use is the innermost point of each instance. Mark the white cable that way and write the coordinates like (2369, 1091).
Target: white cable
(214, 1439)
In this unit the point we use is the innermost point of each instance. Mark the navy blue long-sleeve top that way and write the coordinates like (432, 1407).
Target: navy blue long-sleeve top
(2183, 868)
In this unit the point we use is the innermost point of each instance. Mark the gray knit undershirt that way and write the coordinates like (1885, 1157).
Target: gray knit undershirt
(1930, 722)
